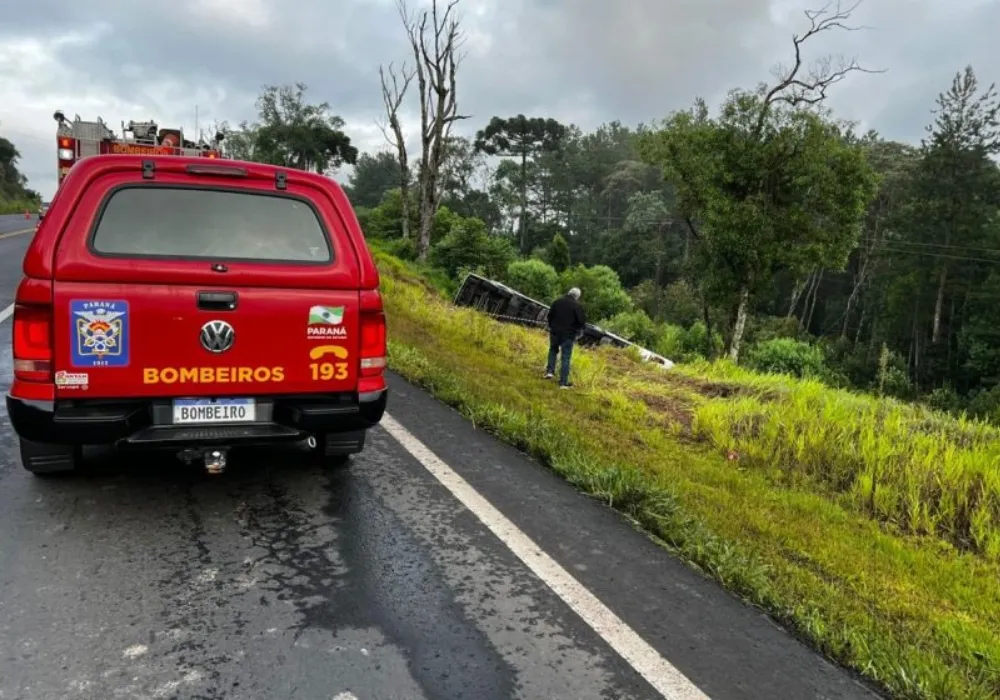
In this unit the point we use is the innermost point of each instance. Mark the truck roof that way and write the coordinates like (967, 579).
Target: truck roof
(214, 173)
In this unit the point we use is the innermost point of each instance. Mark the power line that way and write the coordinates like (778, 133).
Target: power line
(929, 254)
(894, 241)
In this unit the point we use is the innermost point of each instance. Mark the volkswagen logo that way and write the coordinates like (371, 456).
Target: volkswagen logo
(217, 336)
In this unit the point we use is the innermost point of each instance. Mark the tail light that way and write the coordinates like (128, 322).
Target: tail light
(66, 155)
(32, 343)
(373, 342)
(67, 149)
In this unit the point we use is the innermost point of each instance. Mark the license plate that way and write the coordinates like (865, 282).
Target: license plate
(187, 411)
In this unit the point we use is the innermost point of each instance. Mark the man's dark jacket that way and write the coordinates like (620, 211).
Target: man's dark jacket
(566, 317)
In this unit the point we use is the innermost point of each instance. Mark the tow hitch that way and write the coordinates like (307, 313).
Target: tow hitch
(213, 459)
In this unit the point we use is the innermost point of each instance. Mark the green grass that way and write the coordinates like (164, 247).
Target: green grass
(17, 206)
(867, 527)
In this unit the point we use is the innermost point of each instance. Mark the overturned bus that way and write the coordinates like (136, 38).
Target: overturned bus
(510, 306)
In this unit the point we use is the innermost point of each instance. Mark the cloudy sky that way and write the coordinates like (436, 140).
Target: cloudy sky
(580, 61)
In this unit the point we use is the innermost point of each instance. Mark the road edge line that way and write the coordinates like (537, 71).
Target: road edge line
(11, 234)
(6, 313)
(638, 653)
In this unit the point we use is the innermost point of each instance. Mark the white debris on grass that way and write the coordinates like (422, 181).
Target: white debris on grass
(134, 652)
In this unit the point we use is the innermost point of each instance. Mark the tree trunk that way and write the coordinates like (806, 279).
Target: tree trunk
(812, 306)
(428, 208)
(709, 344)
(939, 305)
(871, 336)
(426, 223)
(657, 294)
(796, 294)
(524, 201)
(404, 197)
(859, 282)
(661, 253)
(951, 324)
(861, 324)
(740, 324)
(392, 97)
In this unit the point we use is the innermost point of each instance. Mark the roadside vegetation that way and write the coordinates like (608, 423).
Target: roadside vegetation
(867, 526)
(828, 445)
(15, 197)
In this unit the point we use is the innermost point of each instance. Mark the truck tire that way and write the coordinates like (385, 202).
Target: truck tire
(47, 459)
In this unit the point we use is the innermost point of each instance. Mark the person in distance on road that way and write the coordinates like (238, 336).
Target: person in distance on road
(566, 321)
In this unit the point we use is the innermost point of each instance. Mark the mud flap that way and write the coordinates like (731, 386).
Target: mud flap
(335, 449)
(42, 458)
(335, 444)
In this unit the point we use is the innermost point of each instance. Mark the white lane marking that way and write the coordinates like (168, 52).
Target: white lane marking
(15, 233)
(648, 662)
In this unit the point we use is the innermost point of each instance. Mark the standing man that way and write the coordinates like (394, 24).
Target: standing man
(566, 320)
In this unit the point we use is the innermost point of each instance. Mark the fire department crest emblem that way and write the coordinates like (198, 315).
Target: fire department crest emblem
(100, 331)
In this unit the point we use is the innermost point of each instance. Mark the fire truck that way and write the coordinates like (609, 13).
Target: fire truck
(78, 139)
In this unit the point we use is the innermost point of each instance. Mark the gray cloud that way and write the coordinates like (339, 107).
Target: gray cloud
(583, 61)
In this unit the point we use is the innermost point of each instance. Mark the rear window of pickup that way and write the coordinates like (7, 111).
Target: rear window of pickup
(190, 223)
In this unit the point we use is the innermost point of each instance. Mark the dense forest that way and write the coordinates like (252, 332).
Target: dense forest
(15, 197)
(766, 229)
(869, 263)
(887, 285)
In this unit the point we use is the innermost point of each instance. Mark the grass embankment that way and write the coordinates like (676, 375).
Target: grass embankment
(17, 206)
(868, 527)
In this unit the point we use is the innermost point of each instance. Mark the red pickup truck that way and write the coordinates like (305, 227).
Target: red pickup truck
(173, 303)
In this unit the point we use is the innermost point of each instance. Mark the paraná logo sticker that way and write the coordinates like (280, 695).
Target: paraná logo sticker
(326, 322)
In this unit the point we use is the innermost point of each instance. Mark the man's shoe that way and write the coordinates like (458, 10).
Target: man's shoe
(566, 386)
(549, 375)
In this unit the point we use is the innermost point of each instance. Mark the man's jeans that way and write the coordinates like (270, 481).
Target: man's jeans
(560, 344)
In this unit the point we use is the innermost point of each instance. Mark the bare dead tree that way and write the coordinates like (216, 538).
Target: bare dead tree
(393, 91)
(436, 40)
(798, 85)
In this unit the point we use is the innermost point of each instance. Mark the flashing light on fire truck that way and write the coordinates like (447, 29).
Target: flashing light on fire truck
(78, 139)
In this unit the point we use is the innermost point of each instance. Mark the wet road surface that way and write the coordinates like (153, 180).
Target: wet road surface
(14, 238)
(142, 578)
(16, 222)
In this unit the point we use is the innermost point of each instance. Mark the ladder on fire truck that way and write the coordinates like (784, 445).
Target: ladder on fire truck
(78, 139)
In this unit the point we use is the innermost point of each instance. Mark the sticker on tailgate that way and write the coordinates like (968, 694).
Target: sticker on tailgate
(72, 380)
(326, 322)
(99, 333)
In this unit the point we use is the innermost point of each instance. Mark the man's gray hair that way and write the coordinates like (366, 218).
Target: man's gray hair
(575, 292)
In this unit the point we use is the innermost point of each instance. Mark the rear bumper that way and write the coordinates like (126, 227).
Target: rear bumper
(145, 423)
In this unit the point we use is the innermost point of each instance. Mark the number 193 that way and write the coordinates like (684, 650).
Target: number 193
(325, 371)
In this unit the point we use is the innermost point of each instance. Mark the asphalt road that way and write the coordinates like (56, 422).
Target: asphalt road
(16, 222)
(442, 564)
(15, 235)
